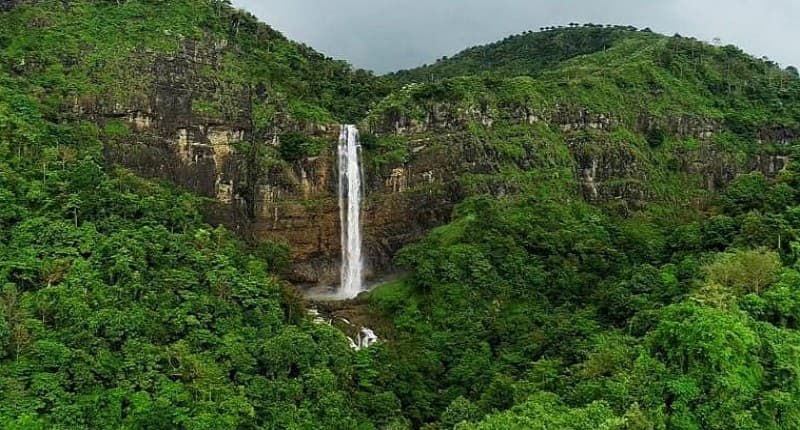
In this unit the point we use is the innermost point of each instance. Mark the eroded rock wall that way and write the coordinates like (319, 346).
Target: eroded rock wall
(174, 137)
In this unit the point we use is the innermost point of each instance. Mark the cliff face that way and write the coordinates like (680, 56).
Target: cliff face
(612, 158)
(168, 136)
(226, 107)
(181, 117)
(296, 202)
(399, 207)
(200, 94)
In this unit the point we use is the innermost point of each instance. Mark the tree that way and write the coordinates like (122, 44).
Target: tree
(714, 371)
(745, 193)
(546, 411)
(748, 271)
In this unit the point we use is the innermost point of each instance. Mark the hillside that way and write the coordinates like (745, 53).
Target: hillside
(529, 53)
(651, 119)
(195, 93)
(625, 231)
(590, 227)
(95, 57)
(119, 307)
(533, 53)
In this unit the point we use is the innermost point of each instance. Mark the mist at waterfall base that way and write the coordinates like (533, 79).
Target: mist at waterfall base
(350, 193)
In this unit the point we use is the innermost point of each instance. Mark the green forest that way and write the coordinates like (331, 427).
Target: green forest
(666, 297)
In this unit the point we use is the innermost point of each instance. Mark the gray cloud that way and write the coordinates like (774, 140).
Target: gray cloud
(386, 35)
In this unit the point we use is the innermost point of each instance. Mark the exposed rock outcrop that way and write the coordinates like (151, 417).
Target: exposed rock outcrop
(175, 136)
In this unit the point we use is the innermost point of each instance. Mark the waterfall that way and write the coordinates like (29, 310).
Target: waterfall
(366, 338)
(350, 211)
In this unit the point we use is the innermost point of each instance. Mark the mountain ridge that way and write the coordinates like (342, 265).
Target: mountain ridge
(531, 52)
(525, 50)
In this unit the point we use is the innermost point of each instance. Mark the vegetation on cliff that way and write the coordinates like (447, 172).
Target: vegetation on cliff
(97, 56)
(624, 256)
(627, 256)
(120, 308)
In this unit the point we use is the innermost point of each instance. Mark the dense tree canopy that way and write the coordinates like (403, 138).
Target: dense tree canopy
(120, 308)
(671, 302)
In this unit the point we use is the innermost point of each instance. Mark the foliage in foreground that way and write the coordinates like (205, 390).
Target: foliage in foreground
(120, 308)
(565, 317)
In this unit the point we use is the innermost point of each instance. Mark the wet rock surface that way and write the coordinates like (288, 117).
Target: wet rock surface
(352, 317)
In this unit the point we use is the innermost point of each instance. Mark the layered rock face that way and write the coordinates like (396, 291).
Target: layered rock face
(398, 208)
(605, 167)
(297, 203)
(220, 153)
(172, 136)
(294, 202)
(168, 136)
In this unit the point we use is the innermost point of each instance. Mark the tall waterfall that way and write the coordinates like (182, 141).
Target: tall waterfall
(350, 211)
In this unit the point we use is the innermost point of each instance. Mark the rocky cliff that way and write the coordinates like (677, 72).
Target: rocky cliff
(430, 163)
(228, 108)
(296, 202)
(204, 96)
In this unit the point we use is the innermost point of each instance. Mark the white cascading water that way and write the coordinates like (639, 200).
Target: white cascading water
(350, 211)
(364, 338)
(367, 338)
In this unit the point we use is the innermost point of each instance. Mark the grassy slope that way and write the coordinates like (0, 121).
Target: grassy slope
(640, 73)
(523, 54)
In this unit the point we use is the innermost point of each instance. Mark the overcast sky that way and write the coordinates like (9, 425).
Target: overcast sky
(387, 35)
